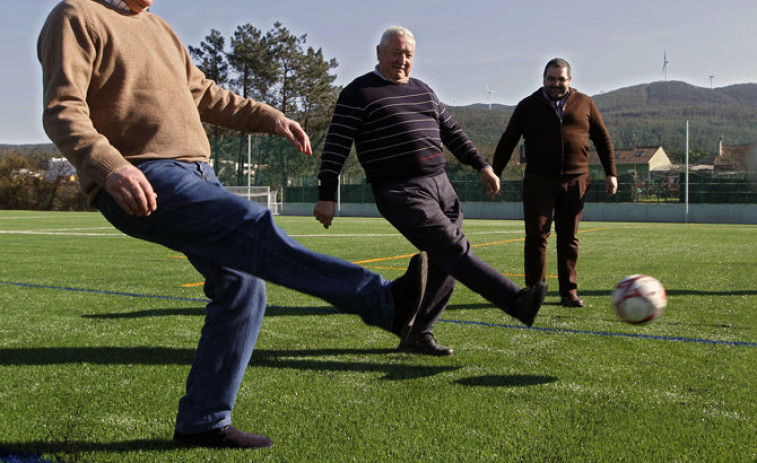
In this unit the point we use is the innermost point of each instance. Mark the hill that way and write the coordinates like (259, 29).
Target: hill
(648, 115)
(656, 114)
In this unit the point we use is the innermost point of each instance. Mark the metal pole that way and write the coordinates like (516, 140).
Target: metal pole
(249, 166)
(687, 172)
(338, 194)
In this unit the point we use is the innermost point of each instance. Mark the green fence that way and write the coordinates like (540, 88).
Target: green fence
(662, 188)
(721, 190)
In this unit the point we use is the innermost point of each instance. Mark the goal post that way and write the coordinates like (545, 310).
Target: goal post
(260, 194)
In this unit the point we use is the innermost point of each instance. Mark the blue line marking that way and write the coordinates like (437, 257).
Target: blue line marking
(490, 325)
(100, 291)
(608, 333)
(8, 457)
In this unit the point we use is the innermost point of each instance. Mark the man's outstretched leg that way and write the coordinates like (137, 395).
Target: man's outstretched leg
(198, 217)
(217, 229)
(522, 304)
(438, 231)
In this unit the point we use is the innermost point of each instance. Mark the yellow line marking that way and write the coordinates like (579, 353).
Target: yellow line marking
(407, 256)
(497, 242)
(192, 285)
(381, 259)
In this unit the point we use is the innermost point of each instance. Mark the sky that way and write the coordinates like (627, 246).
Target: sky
(469, 51)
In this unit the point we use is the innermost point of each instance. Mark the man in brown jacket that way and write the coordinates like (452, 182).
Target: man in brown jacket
(556, 123)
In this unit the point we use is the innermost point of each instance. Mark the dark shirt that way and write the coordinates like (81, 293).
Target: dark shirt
(554, 145)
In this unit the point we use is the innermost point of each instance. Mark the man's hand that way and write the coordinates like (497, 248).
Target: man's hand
(292, 131)
(490, 181)
(132, 191)
(611, 185)
(324, 212)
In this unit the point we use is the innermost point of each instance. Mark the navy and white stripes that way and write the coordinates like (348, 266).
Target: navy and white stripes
(398, 130)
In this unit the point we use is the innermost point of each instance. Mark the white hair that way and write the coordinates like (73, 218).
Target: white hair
(393, 31)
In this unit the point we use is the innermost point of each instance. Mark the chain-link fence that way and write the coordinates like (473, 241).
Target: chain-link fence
(661, 187)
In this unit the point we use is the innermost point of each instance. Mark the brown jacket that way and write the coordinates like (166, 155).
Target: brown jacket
(555, 147)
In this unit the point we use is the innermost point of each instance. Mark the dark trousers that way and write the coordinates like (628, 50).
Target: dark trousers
(545, 198)
(426, 210)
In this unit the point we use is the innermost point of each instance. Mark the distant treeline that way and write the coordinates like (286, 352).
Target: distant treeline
(644, 115)
(36, 151)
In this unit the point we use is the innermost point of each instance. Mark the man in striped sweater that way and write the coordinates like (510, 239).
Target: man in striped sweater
(398, 126)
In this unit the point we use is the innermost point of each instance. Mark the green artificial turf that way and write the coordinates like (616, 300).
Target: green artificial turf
(98, 330)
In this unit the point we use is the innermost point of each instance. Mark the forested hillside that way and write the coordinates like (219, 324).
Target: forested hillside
(648, 115)
(656, 114)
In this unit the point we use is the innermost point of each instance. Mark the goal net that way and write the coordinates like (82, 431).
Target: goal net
(260, 194)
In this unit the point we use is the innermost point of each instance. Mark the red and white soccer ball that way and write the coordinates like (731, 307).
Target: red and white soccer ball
(639, 299)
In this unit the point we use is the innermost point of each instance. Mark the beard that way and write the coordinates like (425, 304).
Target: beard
(557, 93)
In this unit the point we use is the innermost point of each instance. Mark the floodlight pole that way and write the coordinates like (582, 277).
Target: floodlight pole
(338, 194)
(686, 194)
(249, 166)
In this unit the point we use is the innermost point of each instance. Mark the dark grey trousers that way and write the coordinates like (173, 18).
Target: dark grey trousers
(426, 210)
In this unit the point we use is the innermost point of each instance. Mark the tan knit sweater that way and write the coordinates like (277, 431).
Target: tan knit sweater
(121, 87)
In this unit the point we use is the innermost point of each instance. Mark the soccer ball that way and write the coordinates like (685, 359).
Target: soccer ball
(639, 299)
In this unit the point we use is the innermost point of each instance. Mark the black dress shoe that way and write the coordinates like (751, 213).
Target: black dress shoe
(527, 302)
(418, 343)
(408, 291)
(225, 437)
(571, 302)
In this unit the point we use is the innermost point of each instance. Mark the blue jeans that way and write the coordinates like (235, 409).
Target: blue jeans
(236, 246)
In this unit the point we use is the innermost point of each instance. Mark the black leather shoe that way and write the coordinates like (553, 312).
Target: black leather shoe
(418, 343)
(408, 291)
(527, 302)
(571, 301)
(225, 437)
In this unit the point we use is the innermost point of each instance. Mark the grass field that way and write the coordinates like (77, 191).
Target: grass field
(97, 333)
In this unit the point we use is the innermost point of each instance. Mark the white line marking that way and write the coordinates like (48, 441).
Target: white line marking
(55, 233)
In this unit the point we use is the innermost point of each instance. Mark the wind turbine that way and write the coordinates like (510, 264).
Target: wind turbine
(489, 92)
(665, 64)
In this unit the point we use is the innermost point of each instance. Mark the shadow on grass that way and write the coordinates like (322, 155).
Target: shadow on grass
(271, 311)
(96, 356)
(171, 312)
(286, 359)
(506, 380)
(68, 450)
(308, 360)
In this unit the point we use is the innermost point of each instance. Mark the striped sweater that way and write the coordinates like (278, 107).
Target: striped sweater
(398, 131)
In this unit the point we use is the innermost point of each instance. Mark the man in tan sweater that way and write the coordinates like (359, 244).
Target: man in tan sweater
(124, 103)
